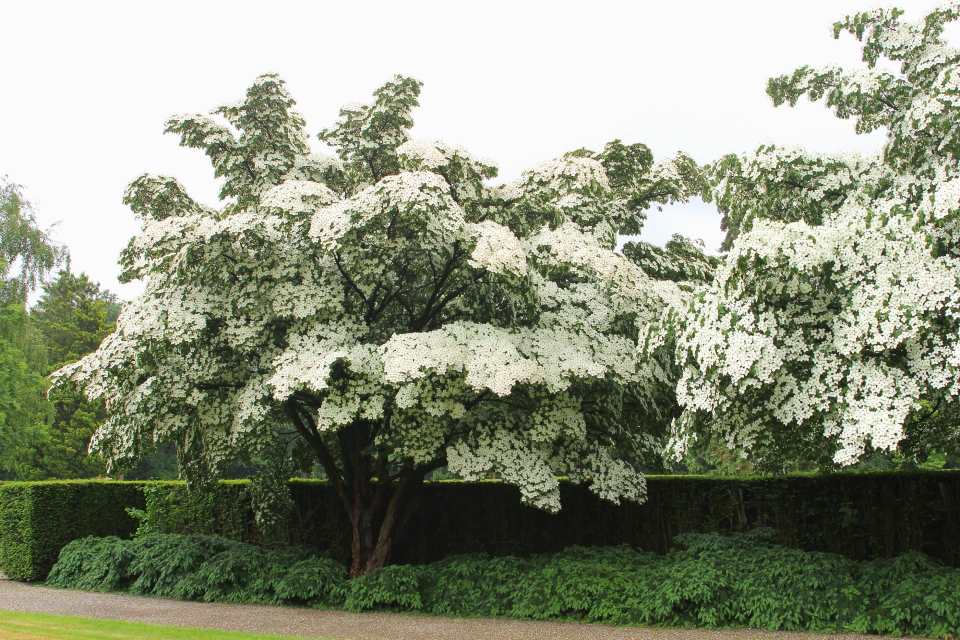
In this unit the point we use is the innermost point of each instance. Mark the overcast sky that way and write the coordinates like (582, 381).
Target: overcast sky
(87, 87)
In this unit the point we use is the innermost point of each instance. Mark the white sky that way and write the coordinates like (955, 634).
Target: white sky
(88, 85)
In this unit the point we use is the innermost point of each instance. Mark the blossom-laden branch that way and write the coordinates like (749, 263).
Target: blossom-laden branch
(834, 319)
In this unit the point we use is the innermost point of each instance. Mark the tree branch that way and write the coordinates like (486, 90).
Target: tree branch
(306, 428)
(352, 285)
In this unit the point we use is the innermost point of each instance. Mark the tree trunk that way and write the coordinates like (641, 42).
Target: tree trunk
(374, 532)
(376, 511)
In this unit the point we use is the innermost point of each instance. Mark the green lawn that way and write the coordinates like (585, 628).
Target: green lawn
(34, 626)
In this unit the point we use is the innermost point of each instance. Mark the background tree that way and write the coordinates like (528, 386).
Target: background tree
(44, 437)
(26, 255)
(24, 411)
(834, 316)
(73, 316)
(388, 312)
(24, 246)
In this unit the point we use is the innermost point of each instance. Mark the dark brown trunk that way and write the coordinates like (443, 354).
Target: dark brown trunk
(373, 532)
(360, 547)
(376, 510)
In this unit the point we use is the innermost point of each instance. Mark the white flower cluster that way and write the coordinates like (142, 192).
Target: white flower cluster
(833, 319)
(297, 196)
(495, 359)
(496, 249)
(570, 172)
(420, 198)
(805, 324)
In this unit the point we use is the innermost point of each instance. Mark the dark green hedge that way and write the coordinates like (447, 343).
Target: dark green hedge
(38, 518)
(859, 516)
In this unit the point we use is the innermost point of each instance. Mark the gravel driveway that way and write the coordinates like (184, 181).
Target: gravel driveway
(16, 596)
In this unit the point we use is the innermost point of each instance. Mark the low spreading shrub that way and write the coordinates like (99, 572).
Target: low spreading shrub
(392, 587)
(93, 564)
(599, 585)
(709, 580)
(162, 562)
(316, 580)
(197, 567)
(910, 594)
(473, 585)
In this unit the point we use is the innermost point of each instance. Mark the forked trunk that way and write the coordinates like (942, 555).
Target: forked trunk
(370, 549)
(376, 510)
(374, 528)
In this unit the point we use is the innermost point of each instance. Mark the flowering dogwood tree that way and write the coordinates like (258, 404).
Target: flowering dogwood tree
(391, 310)
(832, 324)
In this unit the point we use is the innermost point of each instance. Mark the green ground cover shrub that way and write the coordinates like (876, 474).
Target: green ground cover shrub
(910, 594)
(199, 567)
(709, 580)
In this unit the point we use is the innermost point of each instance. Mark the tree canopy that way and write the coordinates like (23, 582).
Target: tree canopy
(392, 310)
(46, 435)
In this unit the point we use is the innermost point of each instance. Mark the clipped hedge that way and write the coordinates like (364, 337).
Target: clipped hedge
(859, 516)
(708, 581)
(38, 518)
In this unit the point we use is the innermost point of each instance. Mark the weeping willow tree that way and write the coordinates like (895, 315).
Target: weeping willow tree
(27, 252)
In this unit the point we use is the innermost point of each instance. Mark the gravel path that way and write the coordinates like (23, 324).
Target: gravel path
(16, 596)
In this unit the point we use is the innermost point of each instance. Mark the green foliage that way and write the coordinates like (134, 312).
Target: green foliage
(748, 581)
(23, 245)
(862, 516)
(205, 568)
(27, 254)
(73, 316)
(392, 587)
(910, 594)
(477, 585)
(712, 581)
(162, 561)
(709, 580)
(366, 136)
(240, 573)
(37, 519)
(15, 533)
(170, 507)
(317, 579)
(601, 584)
(93, 564)
(681, 260)
(41, 436)
(24, 411)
